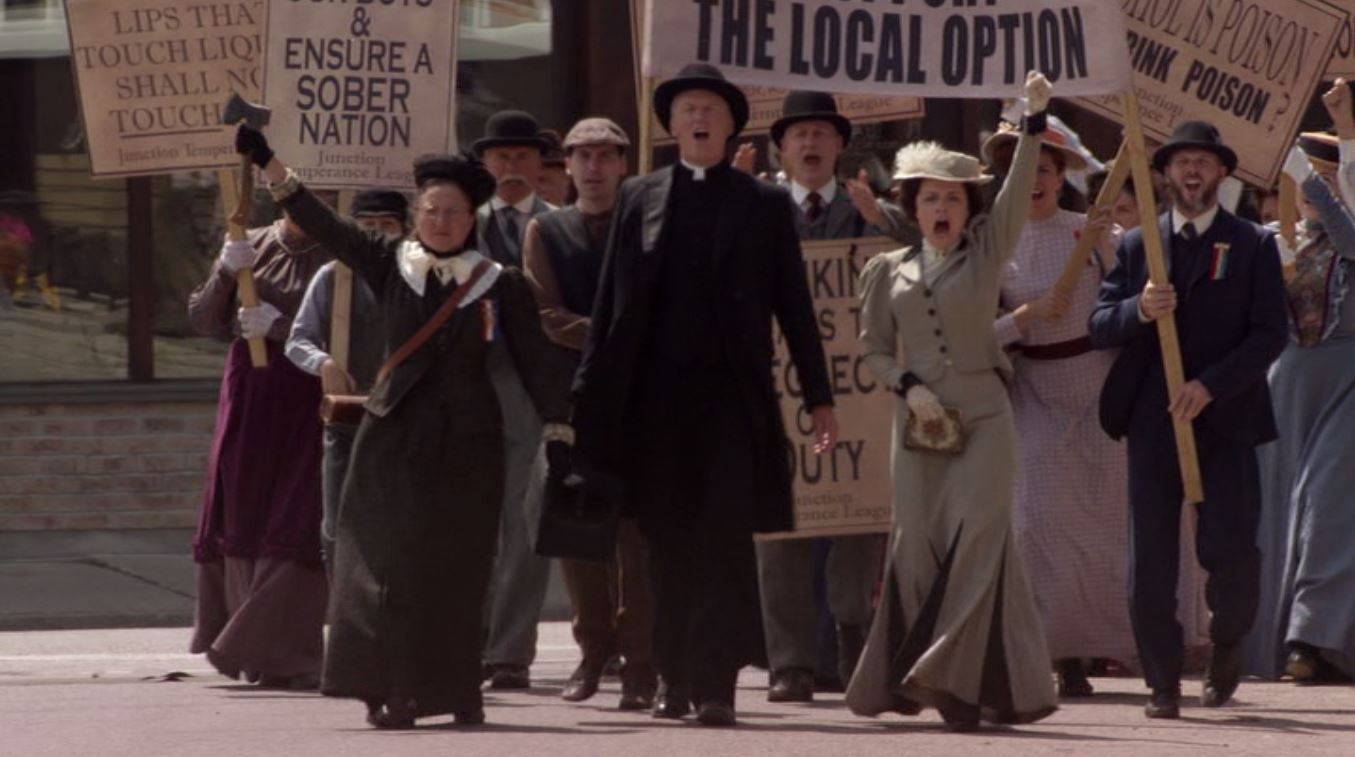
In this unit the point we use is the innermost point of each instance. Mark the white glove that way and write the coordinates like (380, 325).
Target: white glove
(1013, 110)
(255, 322)
(922, 403)
(238, 255)
(1286, 254)
(1038, 91)
(1296, 165)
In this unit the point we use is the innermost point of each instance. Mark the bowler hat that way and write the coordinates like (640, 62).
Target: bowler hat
(1322, 149)
(510, 128)
(700, 76)
(462, 170)
(806, 105)
(379, 202)
(1195, 135)
(554, 154)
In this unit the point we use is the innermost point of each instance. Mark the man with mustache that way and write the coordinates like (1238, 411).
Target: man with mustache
(513, 150)
(386, 213)
(1228, 297)
(674, 394)
(810, 137)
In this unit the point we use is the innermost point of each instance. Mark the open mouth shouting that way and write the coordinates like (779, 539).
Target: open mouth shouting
(701, 134)
(812, 160)
(941, 227)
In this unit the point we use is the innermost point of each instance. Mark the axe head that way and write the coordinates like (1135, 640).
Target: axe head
(238, 110)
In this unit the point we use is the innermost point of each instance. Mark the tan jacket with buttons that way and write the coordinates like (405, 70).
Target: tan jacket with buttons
(945, 321)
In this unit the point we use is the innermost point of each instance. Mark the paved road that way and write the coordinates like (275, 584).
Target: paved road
(101, 694)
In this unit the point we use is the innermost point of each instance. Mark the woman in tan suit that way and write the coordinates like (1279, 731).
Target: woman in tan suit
(957, 627)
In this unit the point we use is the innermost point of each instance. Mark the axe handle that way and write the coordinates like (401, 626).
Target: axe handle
(1289, 218)
(232, 189)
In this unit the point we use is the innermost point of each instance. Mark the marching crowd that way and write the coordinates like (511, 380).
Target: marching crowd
(519, 372)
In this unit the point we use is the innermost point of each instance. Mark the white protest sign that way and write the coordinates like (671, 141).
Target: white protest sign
(921, 48)
(358, 90)
(848, 489)
(1249, 67)
(153, 76)
(1343, 58)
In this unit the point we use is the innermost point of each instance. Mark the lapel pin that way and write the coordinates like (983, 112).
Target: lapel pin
(1218, 269)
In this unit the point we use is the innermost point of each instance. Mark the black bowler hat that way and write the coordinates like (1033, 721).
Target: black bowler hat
(380, 202)
(700, 76)
(510, 128)
(462, 170)
(1195, 135)
(805, 105)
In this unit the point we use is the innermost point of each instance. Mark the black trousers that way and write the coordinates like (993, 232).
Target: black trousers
(1225, 541)
(705, 610)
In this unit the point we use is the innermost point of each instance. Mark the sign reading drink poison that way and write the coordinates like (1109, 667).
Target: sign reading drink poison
(359, 89)
(846, 490)
(1247, 66)
(936, 48)
(153, 76)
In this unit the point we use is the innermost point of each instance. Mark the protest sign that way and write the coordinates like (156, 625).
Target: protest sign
(920, 49)
(358, 90)
(153, 76)
(1247, 66)
(1343, 58)
(846, 490)
(764, 103)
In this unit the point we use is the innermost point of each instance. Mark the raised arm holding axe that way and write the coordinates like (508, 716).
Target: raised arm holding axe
(238, 255)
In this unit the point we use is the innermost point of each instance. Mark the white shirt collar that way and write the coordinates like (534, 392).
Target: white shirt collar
(698, 172)
(1202, 222)
(415, 262)
(800, 192)
(524, 205)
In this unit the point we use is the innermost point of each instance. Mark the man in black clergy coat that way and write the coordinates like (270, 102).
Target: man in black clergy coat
(1228, 296)
(675, 394)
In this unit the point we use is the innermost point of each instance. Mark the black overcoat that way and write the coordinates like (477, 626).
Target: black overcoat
(759, 273)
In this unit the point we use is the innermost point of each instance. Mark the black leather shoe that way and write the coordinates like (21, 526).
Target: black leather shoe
(469, 717)
(1165, 704)
(636, 696)
(393, 714)
(960, 718)
(716, 714)
(671, 703)
(792, 685)
(507, 676)
(583, 683)
(1073, 683)
(1302, 664)
(1222, 675)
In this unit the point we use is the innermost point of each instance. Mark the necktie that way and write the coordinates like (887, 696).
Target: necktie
(510, 222)
(815, 209)
(1188, 232)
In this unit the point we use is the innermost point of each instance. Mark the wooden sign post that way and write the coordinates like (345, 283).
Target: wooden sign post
(1289, 218)
(1191, 483)
(1110, 191)
(230, 186)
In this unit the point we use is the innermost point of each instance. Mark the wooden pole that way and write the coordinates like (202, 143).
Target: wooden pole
(233, 190)
(1191, 483)
(1110, 192)
(341, 308)
(1289, 217)
(646, 160)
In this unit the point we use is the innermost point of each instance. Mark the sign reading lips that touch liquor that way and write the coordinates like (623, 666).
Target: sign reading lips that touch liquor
(153, 77)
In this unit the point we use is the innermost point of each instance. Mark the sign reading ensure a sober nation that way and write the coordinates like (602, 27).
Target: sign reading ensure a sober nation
(359, 89)
(846, 490)
(1247, 66)
(153, 76)
(923, 48)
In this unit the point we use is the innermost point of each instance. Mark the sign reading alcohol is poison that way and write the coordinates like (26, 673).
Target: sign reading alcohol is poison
(1249, 67)
(153, 76)
(359, 89)
(846, 490)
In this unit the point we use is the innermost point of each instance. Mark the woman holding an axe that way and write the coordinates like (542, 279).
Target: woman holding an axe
(419, 518)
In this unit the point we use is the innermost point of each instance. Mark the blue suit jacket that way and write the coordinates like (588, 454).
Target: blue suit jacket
(1232, 323)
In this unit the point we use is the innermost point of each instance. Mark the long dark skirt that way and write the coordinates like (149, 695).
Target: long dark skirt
(415, 543)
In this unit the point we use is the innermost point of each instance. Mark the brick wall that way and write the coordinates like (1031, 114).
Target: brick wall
(103, 466)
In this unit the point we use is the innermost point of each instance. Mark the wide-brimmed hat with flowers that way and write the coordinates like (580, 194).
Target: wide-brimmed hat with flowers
(1053, 138)
(929, 160)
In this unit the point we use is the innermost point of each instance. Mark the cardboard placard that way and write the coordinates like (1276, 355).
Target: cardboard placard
(153, 76)
(1247, 66)
(1343, 57)
(358, 90)
(847, 490)
(931, 49)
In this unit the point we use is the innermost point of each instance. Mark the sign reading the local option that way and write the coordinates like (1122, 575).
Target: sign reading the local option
(154, 76)
(922, 48)
(359, 89)
(1249, 67)
(846, 490)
